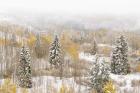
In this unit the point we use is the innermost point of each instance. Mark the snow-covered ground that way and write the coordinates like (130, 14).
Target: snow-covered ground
(105, 45)
(91, 58)
(87, 57)
(124, 83)
(127, 83)
(56, 83)
(50, 84)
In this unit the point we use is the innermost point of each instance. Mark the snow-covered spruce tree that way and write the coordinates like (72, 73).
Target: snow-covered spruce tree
(119, 61)
(99, 75)
(23, 71)
(55, 54)
(94, 48)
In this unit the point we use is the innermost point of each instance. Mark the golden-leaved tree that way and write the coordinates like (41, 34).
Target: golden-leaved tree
(109, 87)
(69, 46)
(72, 49)
(47, 38)
(66, 89)
(31, 40)
(8, 87)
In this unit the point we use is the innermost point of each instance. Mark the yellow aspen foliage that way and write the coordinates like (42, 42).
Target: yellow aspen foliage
(2, 41)
(73, 51)
(8, 87)
(93, 91)
(138, 68)
(47, 38)
(7, 42)
(66, 89)
(31, 40)
(63, 89)
(138, 52)
(70, 90)
(109, 88)
(24, 90)
(19, 43)
(69, 46)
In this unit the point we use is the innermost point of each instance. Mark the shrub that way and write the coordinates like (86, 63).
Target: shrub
(66, 89)
(8, 87)
(109, 88)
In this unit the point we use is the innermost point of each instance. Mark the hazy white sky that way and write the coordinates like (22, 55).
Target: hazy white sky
(115, 7)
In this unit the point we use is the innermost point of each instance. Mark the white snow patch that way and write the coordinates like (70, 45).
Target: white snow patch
(91, 58)
(87, 57)
(124, 83)
(105, 45)
(50, 84)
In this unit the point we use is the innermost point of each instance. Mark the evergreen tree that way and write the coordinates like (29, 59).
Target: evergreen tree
(55, 54)
(24, 69)
(99, 75)
(119, 61)
(94, 48)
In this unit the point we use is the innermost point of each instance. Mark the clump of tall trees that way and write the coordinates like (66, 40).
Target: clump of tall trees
(99, 74)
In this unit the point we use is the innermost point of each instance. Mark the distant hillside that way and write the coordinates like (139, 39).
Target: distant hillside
(48, 22)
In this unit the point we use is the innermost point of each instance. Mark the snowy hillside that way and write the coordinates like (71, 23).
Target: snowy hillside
(69, 54)
(124, 83)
